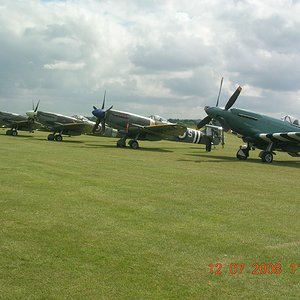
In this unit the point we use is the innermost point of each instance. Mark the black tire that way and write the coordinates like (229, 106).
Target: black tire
(242, 156)
(51, 137)
(208, 146)
(8, 132)
(120, 145)
(134, 144)
(267, 157)
(14, 132)
(58, 138)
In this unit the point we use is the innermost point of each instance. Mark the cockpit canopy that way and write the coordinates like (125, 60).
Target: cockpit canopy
(291, 120)
(159, 119)
(81, 119)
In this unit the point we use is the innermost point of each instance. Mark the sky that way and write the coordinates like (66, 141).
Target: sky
(162, 57)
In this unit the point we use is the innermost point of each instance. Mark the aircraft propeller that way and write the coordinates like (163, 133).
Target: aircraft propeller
(100, 114)
(228, 105)
(31, 114)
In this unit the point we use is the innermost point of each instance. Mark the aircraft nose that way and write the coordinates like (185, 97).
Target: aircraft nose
(98, 113)
(31, 114)
(206, 108)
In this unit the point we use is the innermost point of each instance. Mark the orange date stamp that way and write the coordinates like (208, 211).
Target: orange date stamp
(254, 269)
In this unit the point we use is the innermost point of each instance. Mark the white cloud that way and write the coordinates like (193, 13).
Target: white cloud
(64, 65)
(164, 57)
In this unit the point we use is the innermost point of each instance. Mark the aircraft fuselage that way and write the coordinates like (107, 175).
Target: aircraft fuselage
(122, 120)
(58, 123)
(258, 129)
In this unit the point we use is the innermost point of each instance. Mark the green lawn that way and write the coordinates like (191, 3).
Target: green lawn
(83, 219)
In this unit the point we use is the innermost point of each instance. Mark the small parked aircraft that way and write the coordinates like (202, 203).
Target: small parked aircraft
(135, 127)
(62, 125)
(17, 122)
(258, 131)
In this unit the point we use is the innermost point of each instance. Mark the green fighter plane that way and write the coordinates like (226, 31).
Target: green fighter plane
(256, 130)
(17, 122)
(135, 127)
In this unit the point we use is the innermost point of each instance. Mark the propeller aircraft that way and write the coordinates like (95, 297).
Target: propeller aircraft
(17, 122)
(136, 127)
(64, 125)
(256, 130)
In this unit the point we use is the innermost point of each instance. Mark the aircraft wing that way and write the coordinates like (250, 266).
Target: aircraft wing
(70, 126)
(8, 118)
(162, 129)
(286, 137)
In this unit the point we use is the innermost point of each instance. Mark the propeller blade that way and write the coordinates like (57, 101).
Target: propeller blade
(37, 106)
(203, 122)
(94, 107)
(32, 104)
(109, 108)
(103, 103)
(233, 98)
(219, 92)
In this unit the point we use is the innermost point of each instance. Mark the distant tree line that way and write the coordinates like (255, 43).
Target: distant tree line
(186, 122)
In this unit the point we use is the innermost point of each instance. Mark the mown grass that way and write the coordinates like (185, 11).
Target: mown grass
(83, 219)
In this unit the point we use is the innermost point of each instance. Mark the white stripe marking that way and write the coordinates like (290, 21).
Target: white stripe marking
(294, 136)
(279, 137)
(195, 137)
(199, 136)
(264, 137)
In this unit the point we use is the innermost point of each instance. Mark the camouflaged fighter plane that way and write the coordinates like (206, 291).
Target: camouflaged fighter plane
(17, 122)
(64, 125)
(61, 124)
(153, 128)
(258, 131)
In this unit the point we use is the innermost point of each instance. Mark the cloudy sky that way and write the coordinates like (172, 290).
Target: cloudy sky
(151, 56)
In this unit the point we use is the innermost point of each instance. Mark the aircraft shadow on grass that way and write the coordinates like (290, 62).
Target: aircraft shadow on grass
(122, 149)
(22, 136)
(226, 159)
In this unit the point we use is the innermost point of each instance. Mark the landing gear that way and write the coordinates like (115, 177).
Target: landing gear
(121, 143)
(243, 152)
(133, 144)
(208, 145)
(55, 137)
(12, 132)
(266, 156)
(58, 138)
(51, 137)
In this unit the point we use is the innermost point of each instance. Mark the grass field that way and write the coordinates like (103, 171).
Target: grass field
(83, 219)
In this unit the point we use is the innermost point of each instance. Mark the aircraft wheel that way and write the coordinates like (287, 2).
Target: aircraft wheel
(134, 144)
(242, 155)
(58, 138)
(121, 144)
(51, 137)
(208, 147)
(14, 132)
(267, 157)
(8, 132)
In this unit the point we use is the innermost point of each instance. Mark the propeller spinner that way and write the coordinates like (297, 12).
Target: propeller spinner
(100, 114)
(32, 113)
